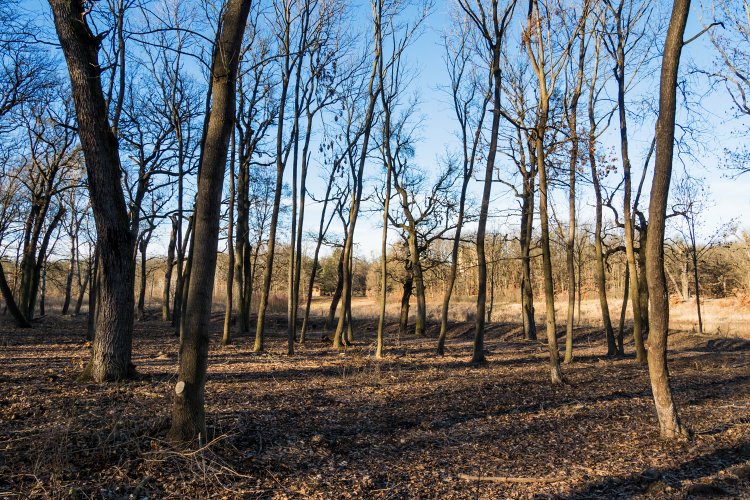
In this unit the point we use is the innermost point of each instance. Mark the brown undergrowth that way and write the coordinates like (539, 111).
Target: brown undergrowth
(323, 424)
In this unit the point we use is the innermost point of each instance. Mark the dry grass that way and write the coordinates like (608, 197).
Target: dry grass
(728, 317)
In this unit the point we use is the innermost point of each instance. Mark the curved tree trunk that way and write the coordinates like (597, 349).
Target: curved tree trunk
(669, 421)
(18, 316)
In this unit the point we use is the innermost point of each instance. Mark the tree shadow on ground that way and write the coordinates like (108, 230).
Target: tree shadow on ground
(657, 482)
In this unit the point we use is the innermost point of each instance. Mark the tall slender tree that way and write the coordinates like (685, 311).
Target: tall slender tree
(188, 410)
(666, 410)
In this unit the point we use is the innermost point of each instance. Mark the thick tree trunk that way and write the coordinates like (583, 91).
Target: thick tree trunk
(18, 316)
(114, 328)
(188, 411)
(669, 421)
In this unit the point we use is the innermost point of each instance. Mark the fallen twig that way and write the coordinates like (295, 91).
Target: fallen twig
(507, 479)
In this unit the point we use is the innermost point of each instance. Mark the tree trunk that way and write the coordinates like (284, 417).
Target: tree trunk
(384, 244)
(322, 230)
(669, 421)
(182, 271)
(573, 165)
(169, 267)
(453, 273)
(226, 338)
(336, 293)
(601, 274)
(549, 290)
(94, 287)
(627, 187)
(373, 94)
(403, 323)
(697, 290)
(527, 292)
(188, 411)
(82, 288)
(69, 278)
(18, 316)
(623, 310)
(141, 313)
(642, 284)
(113, 340)
(478, 351)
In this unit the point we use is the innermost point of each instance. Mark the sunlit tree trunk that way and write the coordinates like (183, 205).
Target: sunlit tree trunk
(188, 411)
(669, 421)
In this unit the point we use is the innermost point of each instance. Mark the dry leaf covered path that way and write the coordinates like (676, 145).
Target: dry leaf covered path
(324, 424)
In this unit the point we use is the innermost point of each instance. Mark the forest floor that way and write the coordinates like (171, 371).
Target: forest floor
(323, 424)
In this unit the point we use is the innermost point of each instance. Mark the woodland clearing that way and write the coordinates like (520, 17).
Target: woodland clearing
(323, 424)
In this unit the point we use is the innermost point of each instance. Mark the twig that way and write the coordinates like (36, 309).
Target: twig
(507, 479)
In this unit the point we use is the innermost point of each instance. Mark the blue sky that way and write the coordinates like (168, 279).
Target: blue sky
(729, 195)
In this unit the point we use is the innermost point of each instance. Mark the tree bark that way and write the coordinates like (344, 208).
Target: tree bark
(666, 411)
(188, 411)
(111, 357)
(69, 277)
(601, 274)
(166, 292)
(403, 323)
(573, 165)
(18, 316)
(527, 292)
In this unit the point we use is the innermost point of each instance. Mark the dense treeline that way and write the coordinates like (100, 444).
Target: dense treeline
(147, 145)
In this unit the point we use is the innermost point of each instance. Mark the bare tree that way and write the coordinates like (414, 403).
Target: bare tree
(188, 411)
(469, 101)
(548, 58)
(666, 410)
(627, 30)
(111, 358)
(492, 26)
